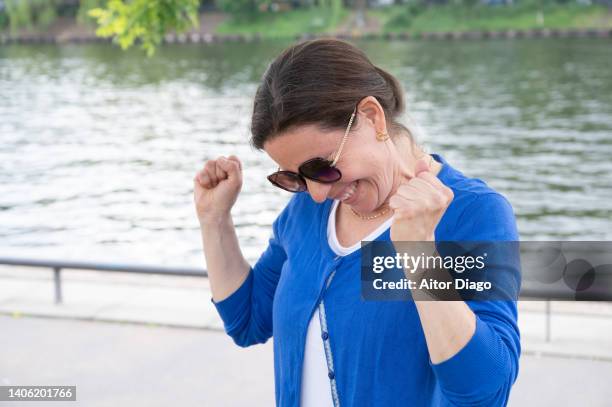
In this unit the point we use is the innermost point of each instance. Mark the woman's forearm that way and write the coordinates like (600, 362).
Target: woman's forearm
(448, 327)
(448, 324)
(227, 267)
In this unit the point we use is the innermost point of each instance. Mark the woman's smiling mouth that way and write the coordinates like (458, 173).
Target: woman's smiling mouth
(349, 192)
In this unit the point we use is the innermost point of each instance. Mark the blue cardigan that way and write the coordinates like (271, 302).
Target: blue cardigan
(377, 351)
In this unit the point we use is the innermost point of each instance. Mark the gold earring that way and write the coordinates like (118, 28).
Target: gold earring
(381, 136)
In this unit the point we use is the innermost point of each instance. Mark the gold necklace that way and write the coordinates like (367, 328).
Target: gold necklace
(381, 213)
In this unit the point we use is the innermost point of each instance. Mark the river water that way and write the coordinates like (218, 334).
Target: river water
(98, 147)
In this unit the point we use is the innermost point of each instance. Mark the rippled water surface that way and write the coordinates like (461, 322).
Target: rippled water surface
(99, 147)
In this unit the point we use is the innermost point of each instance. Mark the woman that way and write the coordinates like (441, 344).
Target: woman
(328, 117)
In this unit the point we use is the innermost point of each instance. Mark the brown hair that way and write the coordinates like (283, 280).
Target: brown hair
(319, 82)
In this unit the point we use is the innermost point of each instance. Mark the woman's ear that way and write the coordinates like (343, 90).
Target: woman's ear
(373, 112)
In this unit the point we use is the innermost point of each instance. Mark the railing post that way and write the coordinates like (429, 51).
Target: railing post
(58, 284)
(547, 320)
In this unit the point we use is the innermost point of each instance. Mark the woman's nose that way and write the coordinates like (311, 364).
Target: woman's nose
(318, 191)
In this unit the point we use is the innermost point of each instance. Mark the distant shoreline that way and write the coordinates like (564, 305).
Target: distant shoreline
(398, 22)
(197, 38)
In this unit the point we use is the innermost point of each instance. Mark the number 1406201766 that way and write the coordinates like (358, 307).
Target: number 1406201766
(35, 393)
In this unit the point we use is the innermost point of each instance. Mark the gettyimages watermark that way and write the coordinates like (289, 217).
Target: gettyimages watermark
(486, 270)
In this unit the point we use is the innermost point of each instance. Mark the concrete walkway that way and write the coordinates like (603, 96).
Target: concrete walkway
(121, 365)
(163, 343)
(115, 365)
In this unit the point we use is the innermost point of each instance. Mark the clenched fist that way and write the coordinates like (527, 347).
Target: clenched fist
(216, 188)
(419, 204)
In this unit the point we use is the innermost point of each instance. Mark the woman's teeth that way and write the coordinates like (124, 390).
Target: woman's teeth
(349, 191)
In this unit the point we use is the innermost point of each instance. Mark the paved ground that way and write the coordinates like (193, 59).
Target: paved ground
(118, 365)
(148, 341)
(130, 365)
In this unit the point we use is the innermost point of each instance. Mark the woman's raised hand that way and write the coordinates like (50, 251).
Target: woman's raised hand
(419, 204)
(216, 188)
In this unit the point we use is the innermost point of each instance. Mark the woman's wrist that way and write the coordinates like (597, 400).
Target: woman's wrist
(215, 220)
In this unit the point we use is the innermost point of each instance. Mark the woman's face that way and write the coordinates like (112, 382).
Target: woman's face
(368, 166)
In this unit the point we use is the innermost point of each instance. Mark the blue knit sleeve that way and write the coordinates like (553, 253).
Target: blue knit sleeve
(484, 370)
(247, 312)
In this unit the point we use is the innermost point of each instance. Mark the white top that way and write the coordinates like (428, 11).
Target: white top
(332, 238)
(316, 389)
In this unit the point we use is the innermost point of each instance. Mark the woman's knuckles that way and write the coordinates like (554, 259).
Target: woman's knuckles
(394, 201)
(440, 201)
(230, 166)
(209, 165)
(234, 159)
(450, 195)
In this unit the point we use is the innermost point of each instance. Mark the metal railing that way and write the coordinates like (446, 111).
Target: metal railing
(57, 266)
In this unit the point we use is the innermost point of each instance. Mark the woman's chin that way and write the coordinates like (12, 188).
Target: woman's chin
(359, 203)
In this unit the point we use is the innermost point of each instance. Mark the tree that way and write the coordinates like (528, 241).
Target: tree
(30, 13)
(146, 21)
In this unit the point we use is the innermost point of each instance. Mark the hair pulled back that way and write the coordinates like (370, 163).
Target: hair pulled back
(319, 82)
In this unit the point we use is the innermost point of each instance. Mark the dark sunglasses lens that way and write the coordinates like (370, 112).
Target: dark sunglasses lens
(320, 170)
(287, 181)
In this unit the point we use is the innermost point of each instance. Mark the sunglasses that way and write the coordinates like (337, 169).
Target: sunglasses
(316, 169)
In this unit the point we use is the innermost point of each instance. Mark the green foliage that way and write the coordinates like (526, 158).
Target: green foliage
(146, 21)
(286, 24)
(30, 13)
(84, 6)
(407, 15)
(522, 15)
(241, 9)
(335, 10)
